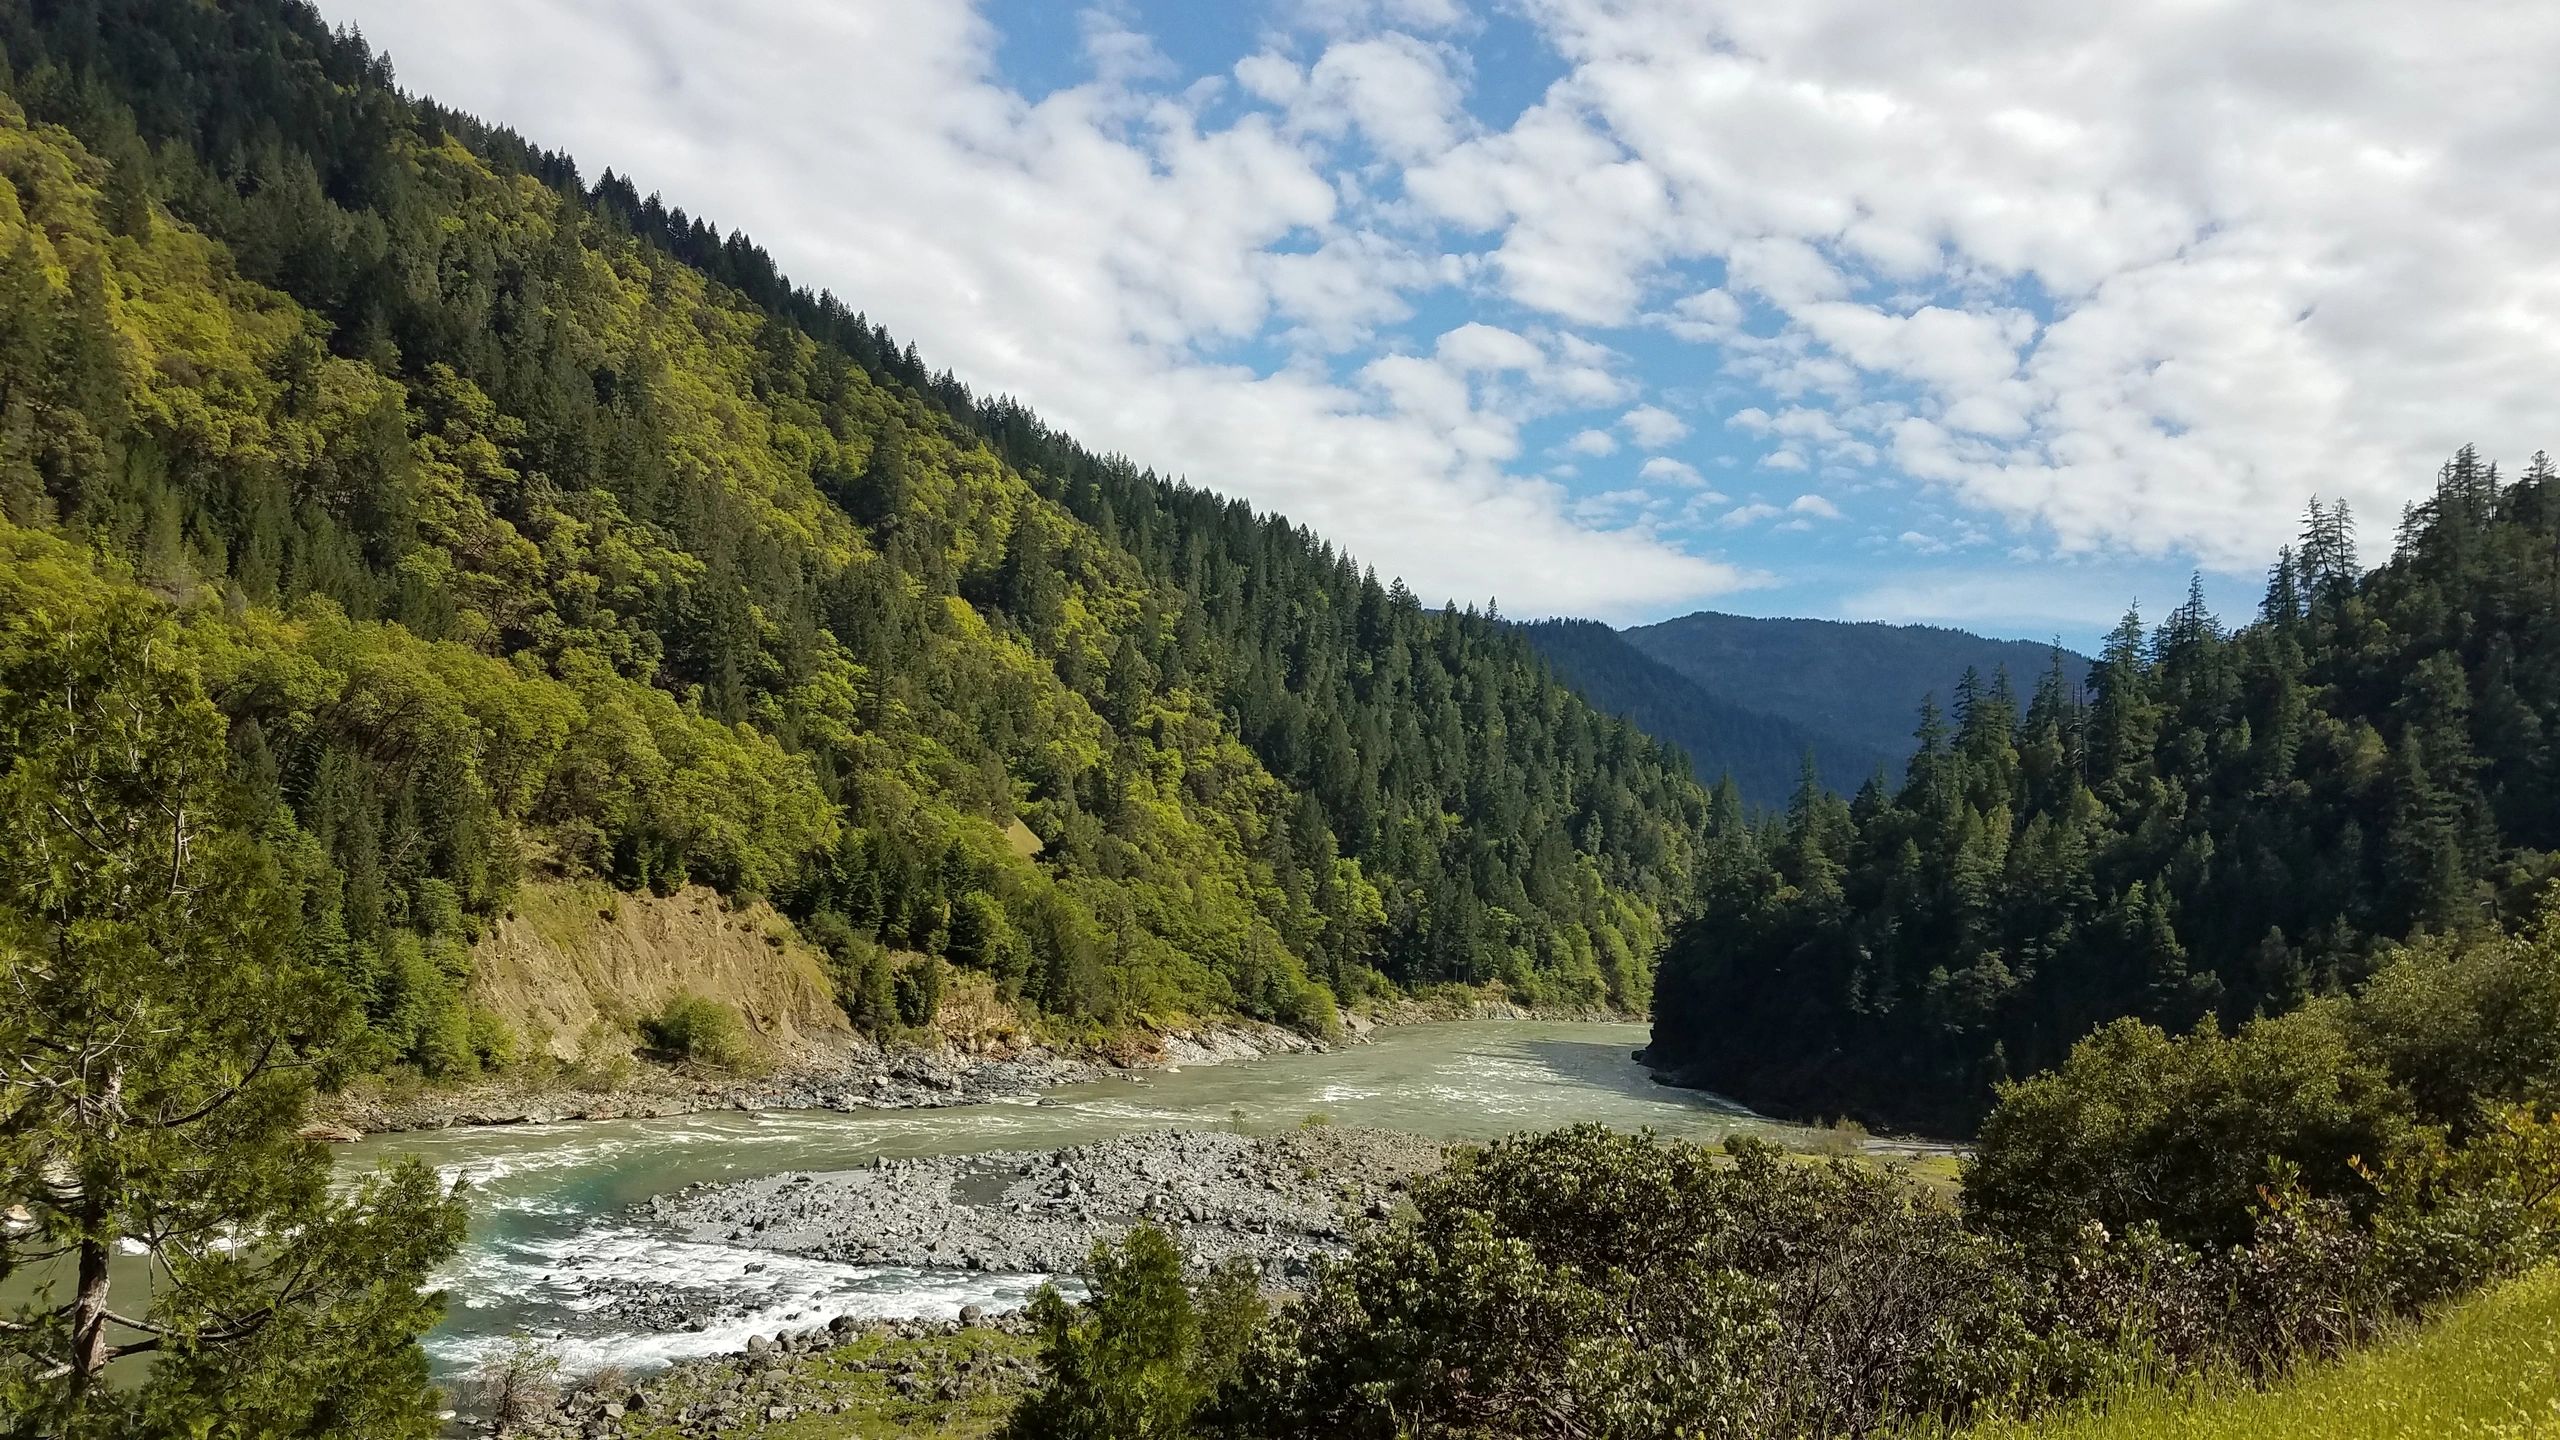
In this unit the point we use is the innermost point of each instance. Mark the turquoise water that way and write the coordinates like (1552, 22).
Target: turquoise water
(550, 1230)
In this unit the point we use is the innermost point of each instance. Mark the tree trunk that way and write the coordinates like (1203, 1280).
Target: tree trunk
(89, 1350)
(89, 1305)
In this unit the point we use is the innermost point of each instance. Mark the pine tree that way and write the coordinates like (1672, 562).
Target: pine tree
(164, 1031)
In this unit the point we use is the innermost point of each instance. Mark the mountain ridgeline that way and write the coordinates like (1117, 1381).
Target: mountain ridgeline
(523, 525)
(1762, 754)
(1851, 685)
(2229, 824)
(1751, 698)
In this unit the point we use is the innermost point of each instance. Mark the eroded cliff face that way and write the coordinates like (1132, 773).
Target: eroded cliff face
(577, 962)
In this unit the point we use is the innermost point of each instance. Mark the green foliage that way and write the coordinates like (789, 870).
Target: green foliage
(1139, 1358)
(167, 1018)
(2448, 1040)
(2228, 822)
(521, 521)
(2466, 1023)
(2136, 1126)
(2473, 1374)
(919, 991)
(1586, 1283)
(698, 1030)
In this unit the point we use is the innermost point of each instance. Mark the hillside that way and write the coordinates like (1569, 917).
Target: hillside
(1763, 754)
(527, 529)
(2232, 822)
(1852, 686)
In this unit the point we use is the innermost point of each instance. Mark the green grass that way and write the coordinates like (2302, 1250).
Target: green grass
(2488, 1369)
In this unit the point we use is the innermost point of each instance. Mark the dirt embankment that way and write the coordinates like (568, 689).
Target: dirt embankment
(577, 965)
(577, 962)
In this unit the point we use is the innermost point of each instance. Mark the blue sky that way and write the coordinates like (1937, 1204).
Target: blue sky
(1624, 308)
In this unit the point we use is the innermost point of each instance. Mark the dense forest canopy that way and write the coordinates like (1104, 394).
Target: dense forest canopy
(2227, 822)
(519, 524)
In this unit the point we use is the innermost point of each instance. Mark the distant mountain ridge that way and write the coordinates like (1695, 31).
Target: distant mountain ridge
(1750, 697)
(1762, 752)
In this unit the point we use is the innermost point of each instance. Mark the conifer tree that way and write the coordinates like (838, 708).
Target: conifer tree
(165, 1028)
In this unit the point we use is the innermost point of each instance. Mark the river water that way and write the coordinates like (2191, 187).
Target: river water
(551, 1236)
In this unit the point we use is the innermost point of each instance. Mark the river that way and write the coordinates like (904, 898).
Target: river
(549, 1202)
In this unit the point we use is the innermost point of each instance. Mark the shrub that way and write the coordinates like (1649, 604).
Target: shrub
(2466, 1022)
(1137, 1360)
(2136, 1126)
(702, 1031)
(1309, 1009)
(493, 1041)
(1586, 1283)
(919, 989)
(516, 1386)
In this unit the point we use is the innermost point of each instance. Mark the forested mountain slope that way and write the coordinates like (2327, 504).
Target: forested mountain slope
(1763, 754)
(525, 526)
(2232, 822)
(1852, 685)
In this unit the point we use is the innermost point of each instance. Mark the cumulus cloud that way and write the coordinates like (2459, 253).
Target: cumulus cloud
(1100, 251)
(2139, 277)
(2016, 251)
(1814, 507)
(1654, 427)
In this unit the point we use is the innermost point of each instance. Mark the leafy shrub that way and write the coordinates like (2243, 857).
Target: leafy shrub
(2136, 1126)
(702, 1031)
(2467, 1023)
(1140, 1358)
(516, 1386)
(1309, 1009)
(919, 990)
(1586, 1283)
(493, 1040)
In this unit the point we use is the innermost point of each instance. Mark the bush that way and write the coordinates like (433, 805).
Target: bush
(516, 1386)
(2138, 1127)
(698, 1030)
(493, 1041)
(1309, 1009)
(919, 988)
(2467, 1023)
(1139, 1359)
(1586, 1283)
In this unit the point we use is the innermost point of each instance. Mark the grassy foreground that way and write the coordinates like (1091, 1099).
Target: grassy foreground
(2487, 1370)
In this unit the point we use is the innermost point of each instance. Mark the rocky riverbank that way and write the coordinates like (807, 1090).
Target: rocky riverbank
(1277, 1200)
(852, 1079)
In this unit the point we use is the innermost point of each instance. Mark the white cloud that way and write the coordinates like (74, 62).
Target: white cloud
(1654, 427)
(1593, 442)
(2010, 257)
(1676, 472)
(1478, 346)
(1099, 252)
(1393, 88)
(2029, 231)
(1751, 513)
(2030, 604)
(1814, 507)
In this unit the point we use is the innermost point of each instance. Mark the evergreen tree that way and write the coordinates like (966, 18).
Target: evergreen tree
(165, 1029)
